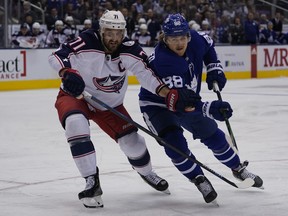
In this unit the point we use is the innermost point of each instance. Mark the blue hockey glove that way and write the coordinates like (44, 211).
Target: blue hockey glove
(215, 73)
(219, 110)
(73, 83)
(178, 100)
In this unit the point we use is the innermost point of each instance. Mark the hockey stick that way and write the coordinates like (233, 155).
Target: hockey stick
(241, 185)
(217, 91)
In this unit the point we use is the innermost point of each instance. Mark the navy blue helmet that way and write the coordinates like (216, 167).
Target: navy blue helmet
(175, 25)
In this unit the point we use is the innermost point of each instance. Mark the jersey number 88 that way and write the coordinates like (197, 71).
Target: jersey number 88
(173, 81)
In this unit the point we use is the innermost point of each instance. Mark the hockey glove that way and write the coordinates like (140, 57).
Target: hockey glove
(219, 110)
(73, 83)
(179, 99)
(215, 73)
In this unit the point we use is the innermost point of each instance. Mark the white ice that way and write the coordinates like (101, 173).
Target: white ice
(38, 175)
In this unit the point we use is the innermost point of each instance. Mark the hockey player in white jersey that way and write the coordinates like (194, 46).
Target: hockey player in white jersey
(98, 62)
(178, 60)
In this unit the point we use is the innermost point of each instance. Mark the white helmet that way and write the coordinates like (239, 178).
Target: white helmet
(36, 25)
(59, 23)
(112, 20)
(143, 27)
(142, 21)
(196, 27)
(69, 19)
(205, 22)
(87, 22)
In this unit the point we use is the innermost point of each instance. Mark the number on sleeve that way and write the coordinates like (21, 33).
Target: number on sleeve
(207, 38)
(151, 57)
(77, 44)
(173, 81)
(178, 82)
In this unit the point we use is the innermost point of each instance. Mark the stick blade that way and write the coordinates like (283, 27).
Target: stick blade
(247, 183)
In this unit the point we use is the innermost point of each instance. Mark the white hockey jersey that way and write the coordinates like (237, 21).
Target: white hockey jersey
(105, 75)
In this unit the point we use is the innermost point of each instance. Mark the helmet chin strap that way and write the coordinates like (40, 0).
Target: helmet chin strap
(106, 50)
(189, 37)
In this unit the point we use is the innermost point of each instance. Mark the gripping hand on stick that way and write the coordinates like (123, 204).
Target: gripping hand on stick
(219, 110)
(182, 100)
(73, 83)
(215, 74)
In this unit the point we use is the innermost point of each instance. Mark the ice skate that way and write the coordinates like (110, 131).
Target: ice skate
(91, 196)
(206, 188)
(156, 182)
(243, 173)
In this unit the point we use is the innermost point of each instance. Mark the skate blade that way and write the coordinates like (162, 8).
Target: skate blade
(214, 203)
(167, 191)
(93, 202)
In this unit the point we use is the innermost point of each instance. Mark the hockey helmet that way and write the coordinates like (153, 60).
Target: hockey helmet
(36, 25)
(143, 27)
(59, 23)
(87, 22)
(69, 19)
(24, 26)
(175, 25)
(142, 21)
(112, 20)
(205, 22)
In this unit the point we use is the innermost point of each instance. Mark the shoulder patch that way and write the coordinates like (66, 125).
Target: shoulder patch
(129, 43)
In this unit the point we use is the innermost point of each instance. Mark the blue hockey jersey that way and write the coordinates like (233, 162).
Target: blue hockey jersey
(181, 71)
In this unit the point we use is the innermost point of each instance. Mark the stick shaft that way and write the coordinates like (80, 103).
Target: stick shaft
(217, 91)
(129, 120)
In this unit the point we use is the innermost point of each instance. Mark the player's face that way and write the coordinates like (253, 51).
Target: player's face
(112, 38)
(24, 31)
(177, 44)
(87, 26)
(59, 27)
(36, 30)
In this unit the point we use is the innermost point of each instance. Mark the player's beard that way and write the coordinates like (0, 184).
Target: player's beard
(112, 46)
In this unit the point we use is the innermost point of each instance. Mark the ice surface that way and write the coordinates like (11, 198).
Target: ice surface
(39, 177)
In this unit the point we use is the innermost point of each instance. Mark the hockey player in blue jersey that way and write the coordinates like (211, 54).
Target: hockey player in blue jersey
(178, 61)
